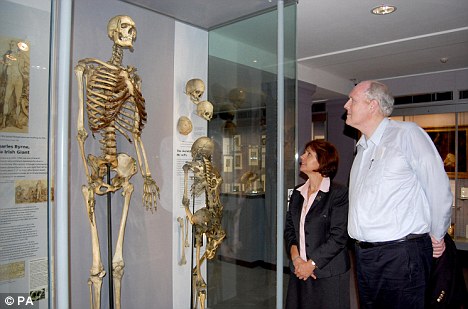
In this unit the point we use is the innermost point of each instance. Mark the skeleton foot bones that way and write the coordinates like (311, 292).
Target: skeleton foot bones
(111, 96)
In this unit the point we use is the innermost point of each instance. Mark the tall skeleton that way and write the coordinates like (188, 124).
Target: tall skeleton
(114, 104)
(206, 220)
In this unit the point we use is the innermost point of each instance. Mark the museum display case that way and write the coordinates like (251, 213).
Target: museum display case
(242, 85)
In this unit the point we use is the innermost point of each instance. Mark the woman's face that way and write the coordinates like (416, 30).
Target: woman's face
(309, 163)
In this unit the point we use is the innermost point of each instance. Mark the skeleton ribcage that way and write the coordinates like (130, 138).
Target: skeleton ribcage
(114, 103)
(214, 180)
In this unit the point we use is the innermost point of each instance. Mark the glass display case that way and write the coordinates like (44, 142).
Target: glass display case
(242, 85)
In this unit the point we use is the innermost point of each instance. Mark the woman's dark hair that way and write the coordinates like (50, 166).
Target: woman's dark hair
(327, 157)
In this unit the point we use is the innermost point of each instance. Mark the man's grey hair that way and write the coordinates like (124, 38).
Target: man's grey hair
(379, 92)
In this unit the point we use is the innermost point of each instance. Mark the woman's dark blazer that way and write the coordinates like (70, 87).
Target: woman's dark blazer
(325, 227)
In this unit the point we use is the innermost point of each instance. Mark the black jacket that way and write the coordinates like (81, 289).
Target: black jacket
(325, 230)
(446, 287)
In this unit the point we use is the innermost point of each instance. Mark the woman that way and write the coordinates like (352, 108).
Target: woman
(316, 233)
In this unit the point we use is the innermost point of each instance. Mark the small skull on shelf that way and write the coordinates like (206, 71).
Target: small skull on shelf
(195, 89)
(184, 125)
(205, 110)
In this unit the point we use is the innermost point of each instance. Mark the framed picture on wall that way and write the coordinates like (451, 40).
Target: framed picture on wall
(237, 142)
(253, 155)
(238, 161)
(228, 164)
(445, 140)
(15, 103)
(226, 145)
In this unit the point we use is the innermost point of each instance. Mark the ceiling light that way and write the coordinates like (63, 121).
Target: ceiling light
(383, 9)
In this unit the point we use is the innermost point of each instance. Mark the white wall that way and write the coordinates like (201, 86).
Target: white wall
(323, 79)
(190, 61)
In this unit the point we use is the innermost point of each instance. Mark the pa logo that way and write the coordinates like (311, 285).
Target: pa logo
(20, 301)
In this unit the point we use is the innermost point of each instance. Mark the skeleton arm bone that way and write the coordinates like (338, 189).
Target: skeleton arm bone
(150, 188)
(82, 134)
(185, 200)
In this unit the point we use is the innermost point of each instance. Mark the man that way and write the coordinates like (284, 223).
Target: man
(13, 63)
(399, 200)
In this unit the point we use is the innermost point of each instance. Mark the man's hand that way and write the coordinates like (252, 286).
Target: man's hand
(438, 247)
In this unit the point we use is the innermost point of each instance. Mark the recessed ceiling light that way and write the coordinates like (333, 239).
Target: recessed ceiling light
(383, 9)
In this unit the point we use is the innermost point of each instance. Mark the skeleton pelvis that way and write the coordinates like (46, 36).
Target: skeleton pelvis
(125, 168)
(201, 217)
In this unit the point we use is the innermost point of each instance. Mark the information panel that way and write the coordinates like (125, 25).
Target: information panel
(24, 158)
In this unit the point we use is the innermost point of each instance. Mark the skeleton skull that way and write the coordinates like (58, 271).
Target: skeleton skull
(184, 125)
(121, 29)
(203, 146)
(205, 110)
(195, 89)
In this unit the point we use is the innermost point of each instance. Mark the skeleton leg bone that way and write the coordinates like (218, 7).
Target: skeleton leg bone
(97, 271)
(183, 260)
(126, 169)
(186, 232)
(202, 298)
(117, 261)
(200, 285)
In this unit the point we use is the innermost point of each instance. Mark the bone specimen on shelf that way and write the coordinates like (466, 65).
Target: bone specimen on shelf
(205, 110)
(184, 125)
(183, 260)
(195, 88)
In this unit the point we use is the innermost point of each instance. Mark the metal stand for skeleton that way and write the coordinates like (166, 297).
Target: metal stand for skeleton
(192, 286)
(109, 241)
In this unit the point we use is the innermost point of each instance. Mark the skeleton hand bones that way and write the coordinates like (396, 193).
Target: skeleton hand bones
(150, 193)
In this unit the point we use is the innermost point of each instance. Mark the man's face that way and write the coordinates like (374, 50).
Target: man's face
(358, 107)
